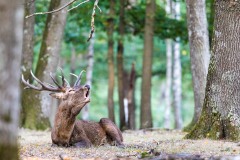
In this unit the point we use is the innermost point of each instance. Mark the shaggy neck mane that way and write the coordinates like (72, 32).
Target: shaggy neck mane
(64, 119)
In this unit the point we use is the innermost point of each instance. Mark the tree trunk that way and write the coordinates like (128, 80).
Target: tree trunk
(73, 65)
(110, 29)
(199, 52)
(177, 74)
(90, 59)
(167, 120)
(210, 22)
(146, 115)
(131, 99)
(39, 107)
(167, 114)
(11, 28)
(220, 114)
(27, 53)
(120, 68)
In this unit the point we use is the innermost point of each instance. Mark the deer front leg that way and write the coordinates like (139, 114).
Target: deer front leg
(82, 142)
(79, 137)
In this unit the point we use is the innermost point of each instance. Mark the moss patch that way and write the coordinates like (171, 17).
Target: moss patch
(8, 152)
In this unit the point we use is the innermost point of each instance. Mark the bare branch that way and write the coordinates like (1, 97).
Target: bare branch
(53, 11)
(68, 4)
(92, 19)
(99, 9)
(78, 5)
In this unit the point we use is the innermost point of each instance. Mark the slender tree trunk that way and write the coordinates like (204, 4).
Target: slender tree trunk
(90, 59)
(146, 115)
(27, 53)
(11, 28)
(120, 68)
(131, 99)
(110, 29)
(73, 65)
(167, 120)
(39, 107)
(220, 114)
(199, 52)
(177, 74)
(167, 114)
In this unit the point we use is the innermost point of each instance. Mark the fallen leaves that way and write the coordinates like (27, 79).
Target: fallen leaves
(36, 145)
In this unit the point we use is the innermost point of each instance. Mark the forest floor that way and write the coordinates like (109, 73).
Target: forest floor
(138, 144)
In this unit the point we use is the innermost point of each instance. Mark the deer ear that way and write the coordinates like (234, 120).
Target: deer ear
(58, 95)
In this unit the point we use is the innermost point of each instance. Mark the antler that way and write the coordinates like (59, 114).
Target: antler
(78, 81)
(45, 87)
(65, 83)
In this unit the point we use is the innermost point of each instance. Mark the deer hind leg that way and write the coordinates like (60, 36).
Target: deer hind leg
(114, 134)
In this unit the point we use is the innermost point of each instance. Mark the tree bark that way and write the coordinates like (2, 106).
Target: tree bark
(120, 68)
(199, 53)
(220, 114)
(146, 115)
(110, 30)
(90, 59)
(177, 74)
(38, 113)
(11, 28)
(27, 53)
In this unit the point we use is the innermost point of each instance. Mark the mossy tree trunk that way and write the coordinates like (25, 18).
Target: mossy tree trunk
(199, 53)
(10, 52)
(110, 29)
(220, 114)
(146, 112)
(38, 108)
(27, 53)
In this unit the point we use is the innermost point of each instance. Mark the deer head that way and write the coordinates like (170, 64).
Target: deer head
(76, 96)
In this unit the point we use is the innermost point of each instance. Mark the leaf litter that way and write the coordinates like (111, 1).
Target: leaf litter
(36, 145)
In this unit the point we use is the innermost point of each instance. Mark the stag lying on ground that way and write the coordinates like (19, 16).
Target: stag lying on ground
(67, 130)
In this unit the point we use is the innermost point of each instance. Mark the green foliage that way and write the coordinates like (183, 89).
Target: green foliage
(165, 27)
(76, 34)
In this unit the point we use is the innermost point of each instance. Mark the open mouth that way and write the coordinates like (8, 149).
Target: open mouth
(87, 94)
(88, 90)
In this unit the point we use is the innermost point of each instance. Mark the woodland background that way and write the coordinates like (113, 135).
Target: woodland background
(78, 54)
(148, 64)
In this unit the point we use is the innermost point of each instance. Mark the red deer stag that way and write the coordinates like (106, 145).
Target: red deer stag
(67, 130)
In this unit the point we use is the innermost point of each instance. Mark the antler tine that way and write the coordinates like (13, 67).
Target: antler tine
(44, 87)
(40, 82)
(63, 79)
(68, 85)
(54, 80)
(74, 75)
(78, 81)
(29, 85)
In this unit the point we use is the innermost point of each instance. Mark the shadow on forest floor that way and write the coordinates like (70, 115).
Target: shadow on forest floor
(139, 144)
